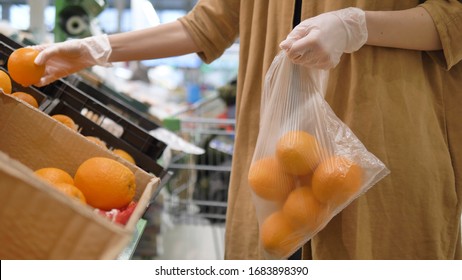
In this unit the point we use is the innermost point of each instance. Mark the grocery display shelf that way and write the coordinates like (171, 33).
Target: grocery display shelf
(128, 252)
(93, 116)
(88, 127)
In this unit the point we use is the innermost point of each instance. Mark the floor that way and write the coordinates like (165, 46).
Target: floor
(192, 242)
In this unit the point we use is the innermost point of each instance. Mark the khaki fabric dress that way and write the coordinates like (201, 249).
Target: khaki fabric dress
(404, 105)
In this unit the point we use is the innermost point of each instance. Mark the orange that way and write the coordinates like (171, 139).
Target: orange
(22, 68)
(304, 181)
(26, 97)
(71, 191)
(66, 120)
(336, 180)
(97, 141)
(298, 152)
(277, 236)
(5, 82)
(269, 181)
(123, 154)
(54, 175)
(303, 210)
(105, 183)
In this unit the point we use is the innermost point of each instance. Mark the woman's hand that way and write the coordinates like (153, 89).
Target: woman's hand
(320, 41)
(65, 58)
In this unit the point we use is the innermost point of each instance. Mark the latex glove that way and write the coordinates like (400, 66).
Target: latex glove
(320, 41)
(65, 58)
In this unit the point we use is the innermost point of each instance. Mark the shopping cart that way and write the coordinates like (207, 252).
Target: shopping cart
(187, 218)
(199, 186)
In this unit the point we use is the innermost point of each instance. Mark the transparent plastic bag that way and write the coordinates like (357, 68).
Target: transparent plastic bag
(307, 165)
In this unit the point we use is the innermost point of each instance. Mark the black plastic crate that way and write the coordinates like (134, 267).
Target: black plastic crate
(132, 109)
(130, 132)
(87, 127)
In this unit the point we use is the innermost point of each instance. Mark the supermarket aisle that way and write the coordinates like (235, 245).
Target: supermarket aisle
(193, 242)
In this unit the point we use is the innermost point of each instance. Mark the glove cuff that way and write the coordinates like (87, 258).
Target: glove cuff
(99, 49)
(354, 20)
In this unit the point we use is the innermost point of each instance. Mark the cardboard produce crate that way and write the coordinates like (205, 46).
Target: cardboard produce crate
(37, 221)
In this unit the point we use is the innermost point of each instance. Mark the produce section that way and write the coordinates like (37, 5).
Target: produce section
(55, 133)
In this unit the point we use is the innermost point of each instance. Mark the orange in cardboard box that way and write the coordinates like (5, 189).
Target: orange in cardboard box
(123, 154)
(105, 183)
(96, 140)
(66, 120)
(71, 191)
(62, 229)
(5, 82)
(54, 175)
(26, 97)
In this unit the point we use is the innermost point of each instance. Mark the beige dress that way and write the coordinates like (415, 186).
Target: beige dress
(405, 106)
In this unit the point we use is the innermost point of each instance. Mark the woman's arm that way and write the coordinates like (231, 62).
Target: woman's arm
(320, 41)
(407, 29)
(166, 40)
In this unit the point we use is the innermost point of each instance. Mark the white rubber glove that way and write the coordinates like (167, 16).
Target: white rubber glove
(65, 58)
(320, 41)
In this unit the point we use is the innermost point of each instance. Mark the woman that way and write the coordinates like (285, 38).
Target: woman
(393, 81)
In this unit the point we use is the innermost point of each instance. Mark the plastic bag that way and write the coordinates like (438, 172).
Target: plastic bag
(307, 165)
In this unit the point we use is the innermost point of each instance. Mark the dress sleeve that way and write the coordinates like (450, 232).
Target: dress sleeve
(447, 16)
(213, 25)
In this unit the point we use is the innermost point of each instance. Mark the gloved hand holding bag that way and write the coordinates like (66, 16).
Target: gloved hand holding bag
(307, 165)
(320, 41)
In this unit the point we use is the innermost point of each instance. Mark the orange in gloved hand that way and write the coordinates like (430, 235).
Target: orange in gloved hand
(22, 67)
(298, 152)
(269, 181)
(5, 82)
(336, 180)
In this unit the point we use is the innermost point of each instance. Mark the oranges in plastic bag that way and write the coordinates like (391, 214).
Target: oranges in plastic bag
(336, 180)
(306, 186)
(297, 152)
(269, 181)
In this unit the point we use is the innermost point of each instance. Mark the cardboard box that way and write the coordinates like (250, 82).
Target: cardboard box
(37, 221)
